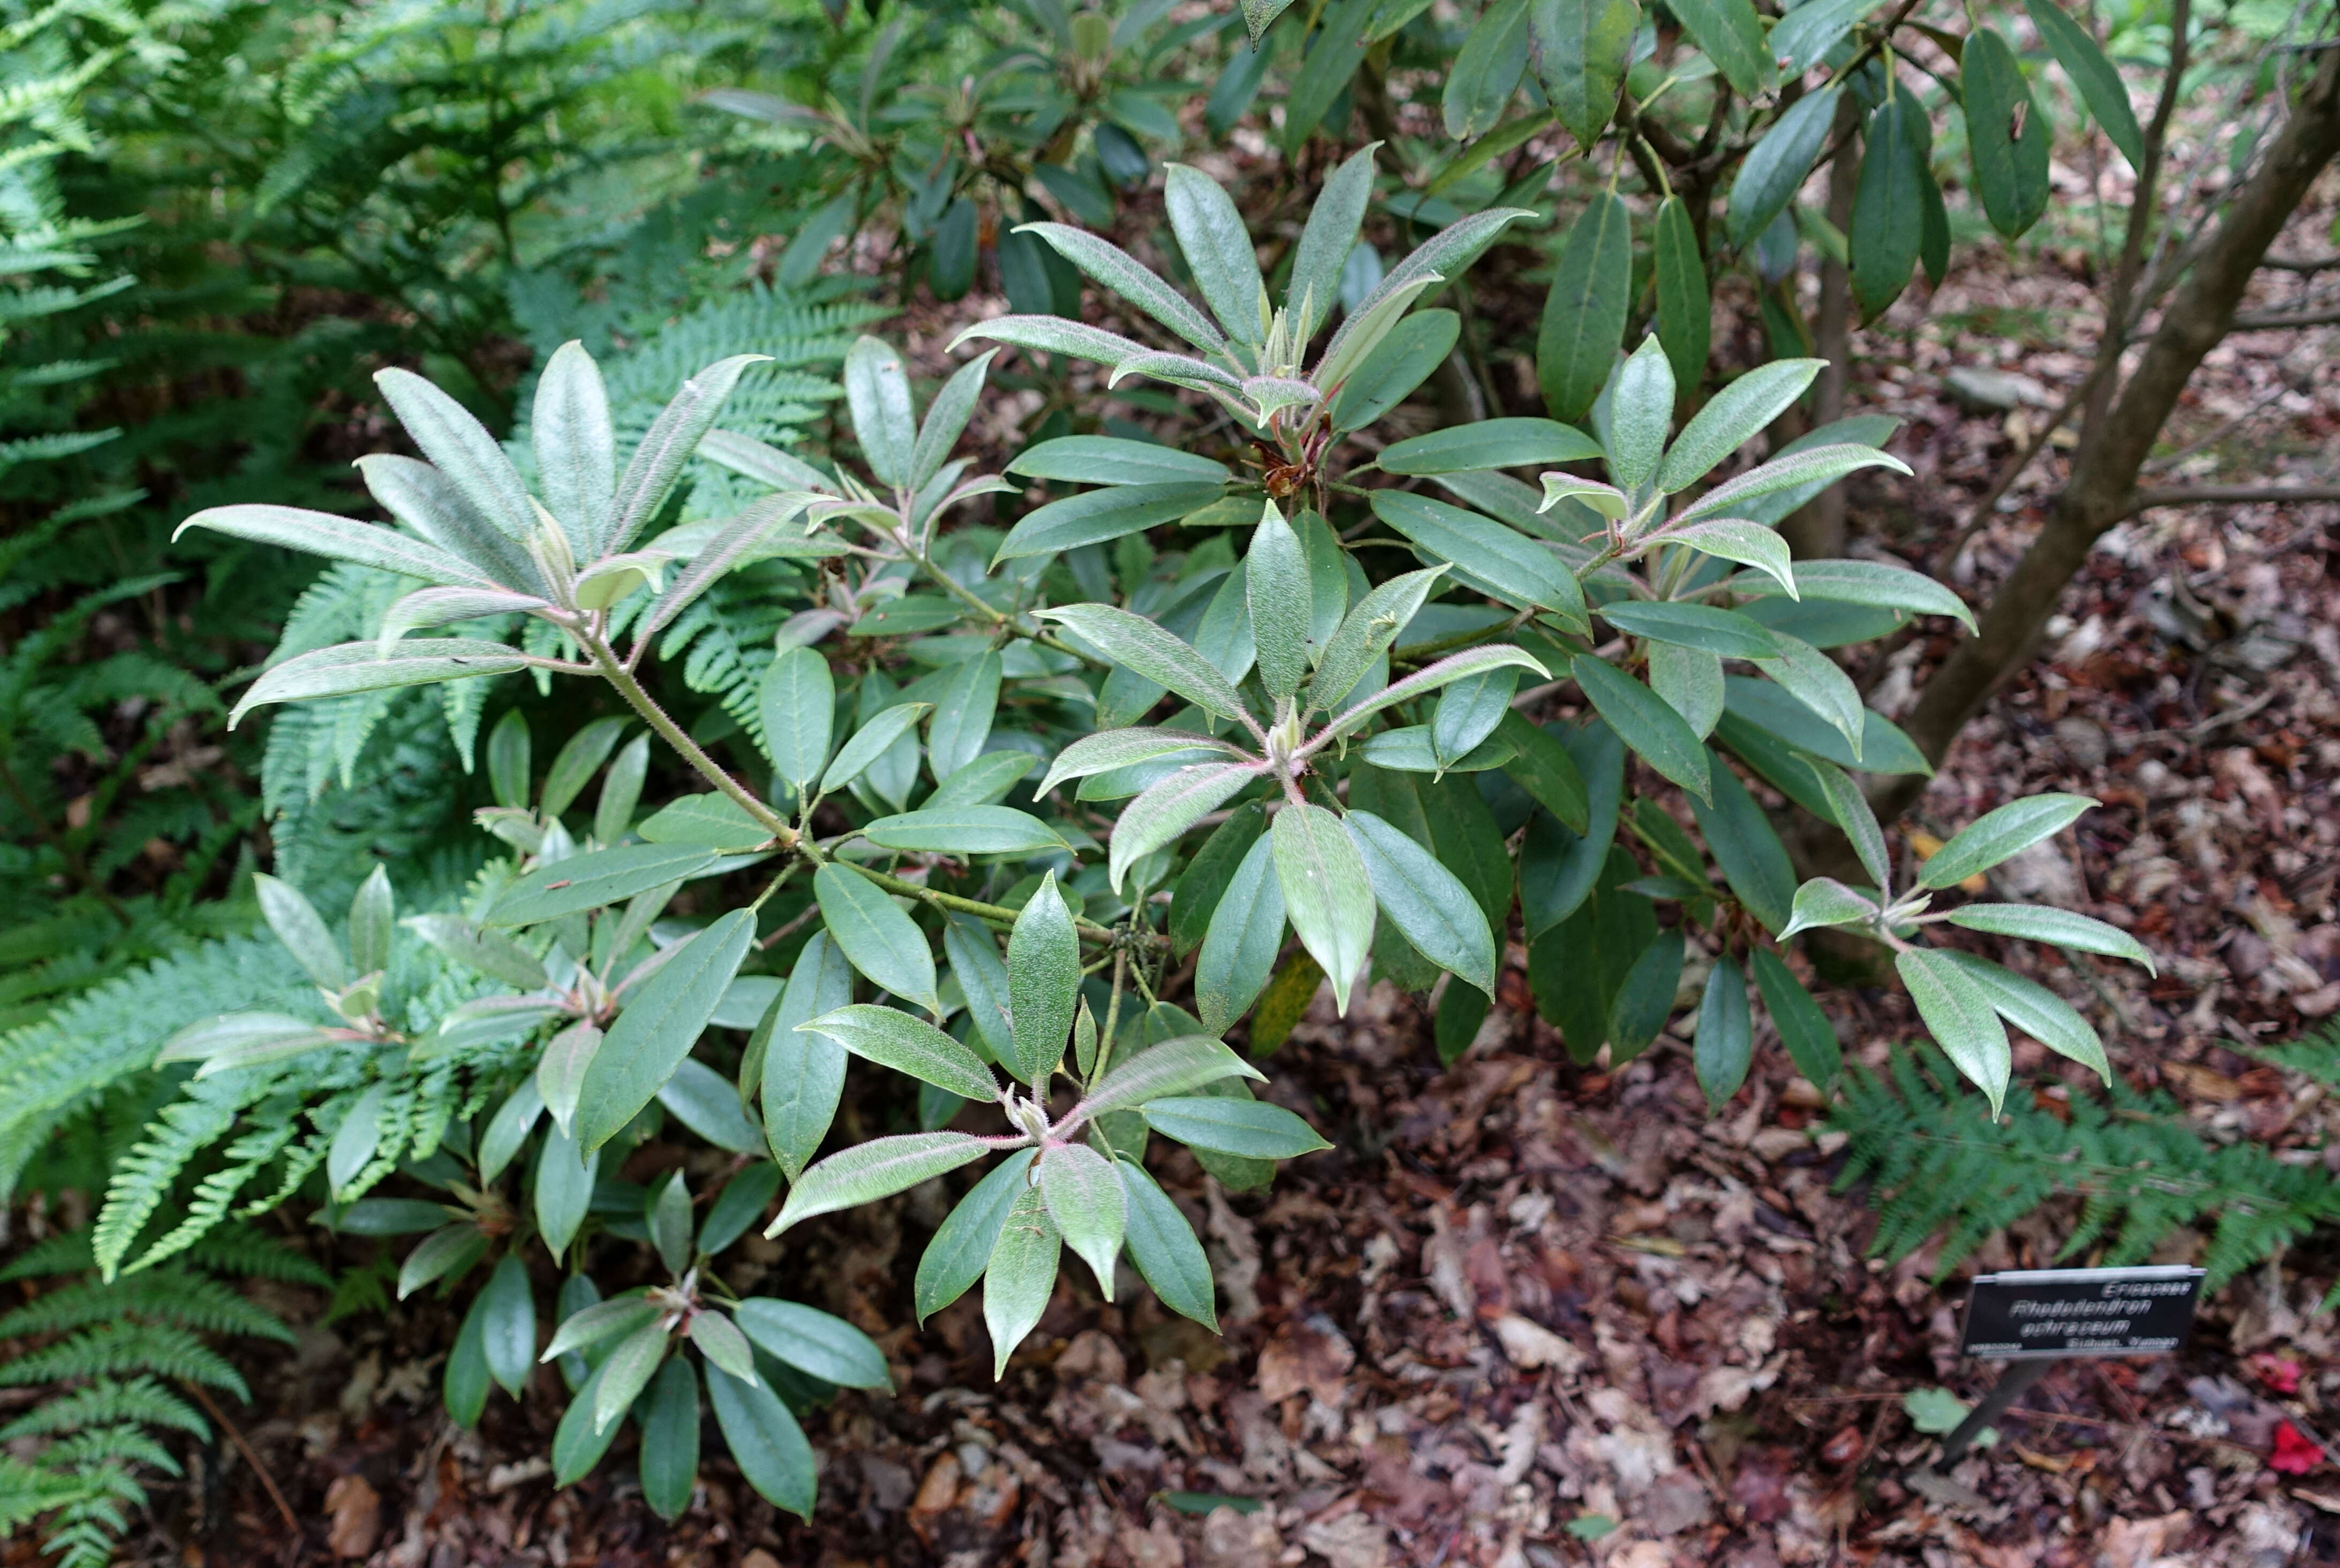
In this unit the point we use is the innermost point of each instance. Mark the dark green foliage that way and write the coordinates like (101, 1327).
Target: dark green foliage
(1936, 1165)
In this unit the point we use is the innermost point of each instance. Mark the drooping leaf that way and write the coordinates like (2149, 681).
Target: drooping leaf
(876, 936)
(1163, 1247)
(1804, 1029)
(1425, 900)
(1645, 723)
(1685, 306)
(1959, 1012)
(2007, 136)
(1020, 1276)
(1245, 935)
(1726, 1033)
(658, 1027)
(2098, 83)
(907, 1045)
(1327, 893)
(1776, 166)
(1581, 48)
(1585, 314)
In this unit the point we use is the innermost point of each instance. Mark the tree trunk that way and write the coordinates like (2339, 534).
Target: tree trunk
(1815, 530)
(2103, 473)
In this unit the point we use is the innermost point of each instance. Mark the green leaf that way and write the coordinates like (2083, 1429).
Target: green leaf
(1054, 335)
(1753, 860)
(597, 1323)
(594, 879)
(1734, 416)
(1163, 1247)
(1702, 626)
(1144, 648)
(564, 1188)
(1082, 1191)
(1959, 1012)
(2007, 136)
(1167, 809)
(1581, 48)
(578, 1444)
(342, 538)
(1685, 308)
(1644, 722)
(1993, 837)
(1407, 357)
(1118, 271)
(1731, 36)
(1801, 37)
(796, 700)
(814, 1342)
(875, 738)
(1217, 248)
(1725, 1046)
(1326, 239)
(764, 1441)
(1335, 53)
(1775, 168)
(1808, 470)
(1446, 254)
(1427, 903)
(1111, 460)
(670, 1460)
(2098, 83)
(1541, 766)
(804, 1074)
(963, 711)
(353, 667)
(1410, 749)
(1240, 948)
(953, 406)
(1736, 540)
(1277, 588)
(1814, 680)
(1468, 711)
(1095, 516)
(492, 954)
(1327, 893)
(1043, 977)
(1489, 444)
(1888, 216)
(508, 1129)
(1691, 682)
(622, 790)
(2036, 1011)
(1208, 874)
(1850, 808)
(984, 781)
(962, 1244)
(1645, 998)
(1642, 413)
(297, 924)
(964, 831)
(973, 953)
(1251, 1128)
(1487, 71)
(878, 1168)
(1487, 556)
(627, 1373)
(740, 1206)
(1020, 1276)
(2058, 927)
(508, 760)
(658, 1028)
(1174, 1067)
(1803, 1028)
(1585, 314)
(1865, 582)
(708, 821)
(560, 1070)
(876, 937)
(1825, 901)
(575, 450)
(354, 1141)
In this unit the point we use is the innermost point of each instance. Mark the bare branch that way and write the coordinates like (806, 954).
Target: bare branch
(2230, 495)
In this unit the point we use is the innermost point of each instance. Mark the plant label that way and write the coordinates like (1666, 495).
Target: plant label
(2034, 1314)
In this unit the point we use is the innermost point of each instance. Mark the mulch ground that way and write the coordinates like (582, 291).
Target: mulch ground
(1532, 1314)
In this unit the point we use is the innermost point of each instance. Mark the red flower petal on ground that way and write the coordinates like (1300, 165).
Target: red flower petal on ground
(2279, 1373)
(2294, 1455)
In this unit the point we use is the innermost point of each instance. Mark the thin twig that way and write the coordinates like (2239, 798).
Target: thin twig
(235, 1435)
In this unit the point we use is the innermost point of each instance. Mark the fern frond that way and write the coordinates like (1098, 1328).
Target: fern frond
(164, 1295)
(108, 1401)
(123, 1349)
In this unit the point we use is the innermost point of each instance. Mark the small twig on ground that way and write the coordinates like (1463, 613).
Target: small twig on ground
(251, 1457)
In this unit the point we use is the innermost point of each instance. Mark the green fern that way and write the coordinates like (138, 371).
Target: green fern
(1936, 1165)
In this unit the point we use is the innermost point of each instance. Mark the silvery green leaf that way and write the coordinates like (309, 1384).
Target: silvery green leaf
(1429, 678)
(1144, 648)
(1054, 335)
(880, 940)
(627, 1373)
(2036, 1011)
(907, 1045)
(1813, 679)
(1606, 499)
(1175, 1067)
(355, 1140)
(1167, 809)
(1115, 460)
(1020, 1277)
(703, 1101)
(947, 417)
(1733, 417)
(1992, 838)
(352, 667)
(1082, 1191)
(1216, 244)
(878, 1168)
(603, 1321)
(1366, 632)
(2058, 927)
(877, 393)
(438, 606)
(576, 450)
(1328, 895)
(297, 924)
(1812, 465)
(1645, 723)
(1487, 555)
(449, 1250)
(1044, 978)
(803, 1074)
(1442, 255)
(1493, 444)
(1112, 749)
(1866, 582)
(1276, 586)
(963, 711)
(1330, 234)
(1428, 903)
(560, 1070)
(720, 1340)
(1640, 412)
(963, 830)
(1690, 681)
(459, 447)
(428, 503)
(1825, 901)
(563, 1188)
(1959, 1013)
(508, 1129)
(657, 463)
(1362, 331)
(594, 879)
(1179, 369)
(1118, 271)
(984, 780)
(765, 463)
(1747, 543)
(658, 1028)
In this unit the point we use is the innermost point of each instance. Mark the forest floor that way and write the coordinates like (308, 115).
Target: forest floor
(1532, 1314)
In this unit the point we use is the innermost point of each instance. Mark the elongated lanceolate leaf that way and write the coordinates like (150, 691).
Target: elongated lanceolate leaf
(1328, 895)
(352, 667)
(1175, 1066)
(1020, 1276)
(1081, 1190)
(1644, 721)
(658, 1028)
(1044, 978)
(1118, 271)
(1958, 1011)
(2057, 928)
(907, 1045)
(1427, 903)
(881, 941)
(1993, 837)
(1144, 648)
(878, 1168)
